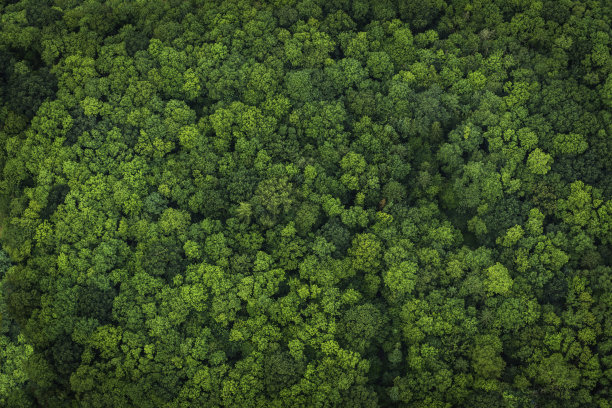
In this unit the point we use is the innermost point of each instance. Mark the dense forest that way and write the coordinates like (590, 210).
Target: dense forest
(306, 203)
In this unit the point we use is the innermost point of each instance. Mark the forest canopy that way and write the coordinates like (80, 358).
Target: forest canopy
(306, 203)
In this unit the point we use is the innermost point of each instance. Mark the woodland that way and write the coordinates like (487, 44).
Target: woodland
(306, 203)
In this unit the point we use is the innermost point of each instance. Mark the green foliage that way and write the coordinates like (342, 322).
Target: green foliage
(539, 162)
(498, 280)
(305, 203)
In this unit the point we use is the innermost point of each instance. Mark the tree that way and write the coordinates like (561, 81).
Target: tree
(498, 280)
(539, 162)
(305, 203)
